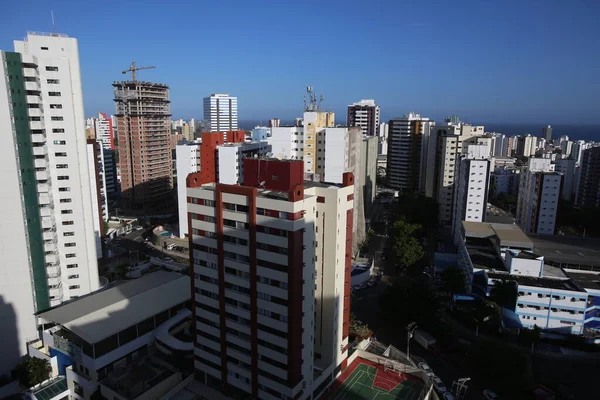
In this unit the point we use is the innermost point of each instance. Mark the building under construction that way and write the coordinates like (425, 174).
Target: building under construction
(143, 112)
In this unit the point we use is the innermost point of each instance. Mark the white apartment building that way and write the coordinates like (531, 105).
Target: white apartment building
(271, 261)
(453, 140)
(95, 157)
(103, 127)
(366, 115)
(383, 138)
(566, 148)
(405, 147)
(539, 192)
(231, 156)
(221, 112)
(473, 178)
(187, 161)
(46, 183)
(566, 167)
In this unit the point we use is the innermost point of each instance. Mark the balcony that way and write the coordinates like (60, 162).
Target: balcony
(30, 72)
(46, 211)
(53, 271)
(40, 150)
(36, 125)
(49, 235)
(47, 223)
(41, 163)
(32, 85)
(50, 245)
(42, 175)
(51, 257)
(38, 138)
(43, 188)
(36, 112)
(33, 99)
(53, 280)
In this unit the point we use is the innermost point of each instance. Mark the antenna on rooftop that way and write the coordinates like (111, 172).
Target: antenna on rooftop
(53, 24)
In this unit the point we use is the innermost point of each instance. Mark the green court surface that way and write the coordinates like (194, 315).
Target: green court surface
(360, 385)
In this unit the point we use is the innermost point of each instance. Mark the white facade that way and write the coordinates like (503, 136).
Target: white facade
(187, 161)
(17, 304)
(231, 156)
(539, 192)
(53, 60)
(566, 167)
(97, 184)
(221, 112)
(566, 147)
(104, 131)
(383, 138)
(472, 186)
(366, 115)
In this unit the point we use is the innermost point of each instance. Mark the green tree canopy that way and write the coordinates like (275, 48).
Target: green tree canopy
(406, 249)
(454, 280)
(504, 293)
(410, 300)
(32, 371)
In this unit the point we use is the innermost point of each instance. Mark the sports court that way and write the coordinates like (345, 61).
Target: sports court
(365, 380)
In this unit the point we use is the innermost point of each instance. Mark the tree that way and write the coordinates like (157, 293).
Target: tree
(32, 371)
(454, 280)
(505, 295)
(406, 249)
(410, 300)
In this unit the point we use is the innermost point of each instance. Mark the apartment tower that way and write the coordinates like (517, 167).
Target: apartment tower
(589, 178)
(49, 252)
(539, 192)
(271, 305)
(366, 115)
(220, 110)
(143, 113)
(104, 131)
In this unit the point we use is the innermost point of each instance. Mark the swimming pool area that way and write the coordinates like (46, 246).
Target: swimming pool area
(165, 233)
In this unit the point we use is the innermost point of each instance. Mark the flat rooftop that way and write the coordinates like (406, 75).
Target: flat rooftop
(510, 235)
(573, 250)
(102, 314)
(551, 283)
(588, 280)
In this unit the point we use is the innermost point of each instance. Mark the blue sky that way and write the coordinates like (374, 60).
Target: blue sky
(487, 61)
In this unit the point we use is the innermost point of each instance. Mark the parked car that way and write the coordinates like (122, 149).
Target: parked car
(171, 246)
(439, 385)
(489, 395)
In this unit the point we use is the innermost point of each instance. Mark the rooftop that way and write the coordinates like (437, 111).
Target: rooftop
(588, 280)
(510, 235)
(577, 252)
(102, 314)
(51, 389)
(551, 283)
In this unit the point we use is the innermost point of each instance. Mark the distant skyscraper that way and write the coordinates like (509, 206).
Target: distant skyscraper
(143, 112)
(539, 192)
(48, 247)
(364, 114)
(221, 111)
(589, 179)
(547, 133)
(104, 131)
(405, 144)
(274, 122)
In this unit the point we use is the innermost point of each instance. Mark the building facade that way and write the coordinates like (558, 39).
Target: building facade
(267, 311)
(539, 191)
(221, 112)
(547, 133)
(366, 115)
(143, 111)
(103, 128)
(187, 162)
(49, 252)
(589, 178)
(95, 158)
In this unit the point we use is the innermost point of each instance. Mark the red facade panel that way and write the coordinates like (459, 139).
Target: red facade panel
(273, 174)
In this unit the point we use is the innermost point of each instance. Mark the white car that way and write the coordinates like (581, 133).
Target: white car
(439, 385)
(489, 395)
(424, 366)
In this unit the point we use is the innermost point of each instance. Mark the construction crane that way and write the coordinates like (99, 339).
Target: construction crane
(133, 69)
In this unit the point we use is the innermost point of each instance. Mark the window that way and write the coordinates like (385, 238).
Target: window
(55, 106)
(61, 154)
(62, 166)
(63, 177)
(54, 94)
(72, 266)
(56, 118)
(52, 81)
(60, 142)
(70, 255)
(76, 276)
(70, 244)
(68, 223)
(64, 189)
(50, 68)
(68, 233)
(59, 130)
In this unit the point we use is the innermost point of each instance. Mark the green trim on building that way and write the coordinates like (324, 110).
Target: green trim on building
(14, 68)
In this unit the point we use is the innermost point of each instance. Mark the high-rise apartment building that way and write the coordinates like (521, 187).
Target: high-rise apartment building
(473, 179)
(366, 115)
(143, 113)
(406, 137)
(547, 133)
(109, 159)
(451, 141)
(539, 192)
(103, 128)
(187, 156)
(526, 146)
(566, 167)
(383, 139)
(95, 158)
(49, 253)
(589, 178)
(221, 112)
(271, 268)
(566, 148)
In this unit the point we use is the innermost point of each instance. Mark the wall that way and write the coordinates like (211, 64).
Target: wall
(188, 161)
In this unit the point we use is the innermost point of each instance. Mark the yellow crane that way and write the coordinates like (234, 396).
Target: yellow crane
(133, 69)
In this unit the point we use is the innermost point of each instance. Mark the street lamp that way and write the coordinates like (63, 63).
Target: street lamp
(410, 329)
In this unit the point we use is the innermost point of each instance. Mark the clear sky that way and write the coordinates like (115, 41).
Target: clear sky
(487, 61)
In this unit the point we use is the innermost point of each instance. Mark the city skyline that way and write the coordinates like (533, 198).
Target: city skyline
(502, 74)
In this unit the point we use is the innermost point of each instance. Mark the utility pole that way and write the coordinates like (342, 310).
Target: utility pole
(410, 329)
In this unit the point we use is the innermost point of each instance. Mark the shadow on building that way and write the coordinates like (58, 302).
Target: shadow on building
(152, 198)
(11, 353)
